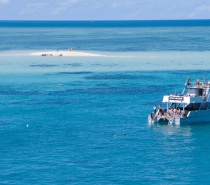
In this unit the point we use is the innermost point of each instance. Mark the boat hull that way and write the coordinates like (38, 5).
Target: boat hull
(163, 121)
(196, 117)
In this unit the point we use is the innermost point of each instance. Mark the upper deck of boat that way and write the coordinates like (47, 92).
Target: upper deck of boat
(196, 93)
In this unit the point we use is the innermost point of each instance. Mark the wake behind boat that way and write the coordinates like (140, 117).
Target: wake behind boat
(192, 106)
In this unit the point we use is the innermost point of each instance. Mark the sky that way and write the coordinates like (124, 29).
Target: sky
(104, 9)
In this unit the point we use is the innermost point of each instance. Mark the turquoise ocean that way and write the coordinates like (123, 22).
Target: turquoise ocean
(83, 120)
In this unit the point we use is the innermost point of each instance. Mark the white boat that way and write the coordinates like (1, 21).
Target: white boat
(192, 106)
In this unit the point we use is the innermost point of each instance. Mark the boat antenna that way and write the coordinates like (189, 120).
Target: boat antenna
(205, 80)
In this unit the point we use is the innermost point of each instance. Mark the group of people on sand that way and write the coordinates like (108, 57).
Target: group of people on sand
(50, 54)
(47, 55)
(44, 54)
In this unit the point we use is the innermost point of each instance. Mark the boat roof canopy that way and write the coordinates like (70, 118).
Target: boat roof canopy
(183, 99)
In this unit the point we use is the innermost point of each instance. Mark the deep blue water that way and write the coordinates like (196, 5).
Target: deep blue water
(134, 23)
(115, 36)
(66, 121)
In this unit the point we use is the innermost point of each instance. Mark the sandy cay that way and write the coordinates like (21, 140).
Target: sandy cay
(65, 53)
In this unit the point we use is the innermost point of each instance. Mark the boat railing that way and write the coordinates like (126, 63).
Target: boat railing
(199, 84)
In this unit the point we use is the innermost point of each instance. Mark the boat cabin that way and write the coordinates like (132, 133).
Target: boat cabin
(194, 91)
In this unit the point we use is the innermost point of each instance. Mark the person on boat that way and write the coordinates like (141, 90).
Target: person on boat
(154, 112)
(171, 112)
(178, 112)
(160, 110)
(187, 84)
(166, 115)
(154, 109)
(197, 82)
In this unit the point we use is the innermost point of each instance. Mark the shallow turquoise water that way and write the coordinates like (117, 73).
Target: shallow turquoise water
(93, 129)
(83, 120)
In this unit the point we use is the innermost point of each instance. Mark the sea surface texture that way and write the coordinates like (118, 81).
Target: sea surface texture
(83, 120)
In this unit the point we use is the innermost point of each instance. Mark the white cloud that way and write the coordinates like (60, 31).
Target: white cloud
(4, 1)
(126, 5)
(202, 11)
(33, 7)
(58, 10)
(116, 5)
(36, 5)
(105, 9)
(64, 5)
(69, 2)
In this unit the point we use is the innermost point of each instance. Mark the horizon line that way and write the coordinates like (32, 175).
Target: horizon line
(112, 20)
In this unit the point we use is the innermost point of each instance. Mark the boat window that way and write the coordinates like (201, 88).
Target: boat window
(174, 106)
(204, 106)
(195, 91)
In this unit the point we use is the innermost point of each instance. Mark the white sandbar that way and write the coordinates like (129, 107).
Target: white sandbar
(65, 53)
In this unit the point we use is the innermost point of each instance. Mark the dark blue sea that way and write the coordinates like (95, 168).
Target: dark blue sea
(83, 119)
